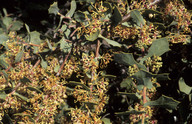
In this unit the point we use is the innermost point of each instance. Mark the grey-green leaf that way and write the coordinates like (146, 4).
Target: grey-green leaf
(3, 38)
(158, 48)
(80, 84)
(164, 101)
(127, 59)
(65, 46)
(25, 80)
(111, 42)
(130, 112)
(3, 95)
(116, 17)
(43, 64)
(19, 56)
(72, 9)
(137, 18)
(21, 96)
(16, 26)
(92, 36)
(184, 87)
(53, 9)
(35, 39)
(144, 79)
(106, 121)
(132, 96)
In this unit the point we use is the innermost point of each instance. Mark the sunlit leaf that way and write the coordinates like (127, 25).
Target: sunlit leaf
(183, 87)
(53, 9)
(106, 121)
(72, 9)
(93, 36)
(164, 101)
(43, 63)
(65, 46)
(27, 27)
(35, 39)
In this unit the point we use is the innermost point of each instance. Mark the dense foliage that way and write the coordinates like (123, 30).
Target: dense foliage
(94, 62)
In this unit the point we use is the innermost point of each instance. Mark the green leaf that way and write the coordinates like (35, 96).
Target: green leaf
(79, 83)
(137, 18)
(3, 63)
(65, 46)
(25, 80)
(35, 39)
(63, 28)
(19, 56)
(163, 101)
(56, 68)
(111, 42)
(34, 89)
(7, 21)
(5, 74)
(106, 121)
(132, 96)
(116, 17)
(80, 16)
(163, 76)
(87, 1)
(92, 36)
(43, 64)
(21, 96)
(72, 9)
(126, 83)
(49, 45)
(127, 59)
(53, 9)
(158, 48)
(3, 38)
(183, 87)
(3, 95)
(144, 79)
(16, 26)
(27, 27)
(130, 112)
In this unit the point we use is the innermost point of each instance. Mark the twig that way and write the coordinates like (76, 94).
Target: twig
(36, 64)
(97, 49)
(144, 101)
(60, 69)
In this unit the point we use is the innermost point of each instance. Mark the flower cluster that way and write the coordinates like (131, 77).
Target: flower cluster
(154, 63)
(146, 35)
(182, 16)
(124, 32)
